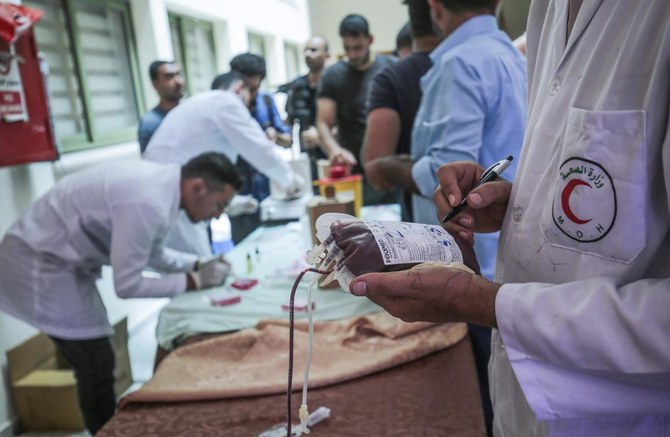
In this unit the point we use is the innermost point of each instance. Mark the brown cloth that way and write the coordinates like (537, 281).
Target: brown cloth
(254, 361)
(433, 396)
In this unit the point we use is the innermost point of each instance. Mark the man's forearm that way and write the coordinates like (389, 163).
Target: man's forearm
(329, 144)
(481, 309)
(393, 171)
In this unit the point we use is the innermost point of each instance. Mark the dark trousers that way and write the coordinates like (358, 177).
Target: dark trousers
(480, 338)
(93, 364)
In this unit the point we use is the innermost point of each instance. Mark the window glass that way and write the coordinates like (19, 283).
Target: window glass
(257, 47)
(200, 56)
(293, 60)
(193, 46)
(65, 97)
(92, 79)
(257, 44)
(107, 67)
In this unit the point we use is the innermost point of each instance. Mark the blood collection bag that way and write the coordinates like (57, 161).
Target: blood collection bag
(351, 247)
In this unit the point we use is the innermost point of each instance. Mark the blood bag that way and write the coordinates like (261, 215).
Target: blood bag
(351, 247)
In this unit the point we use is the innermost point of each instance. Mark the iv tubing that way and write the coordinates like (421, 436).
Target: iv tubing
(290, 341)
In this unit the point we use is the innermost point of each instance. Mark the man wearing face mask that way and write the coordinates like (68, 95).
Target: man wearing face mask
(263, 109)
(341, 99)
(51, 258)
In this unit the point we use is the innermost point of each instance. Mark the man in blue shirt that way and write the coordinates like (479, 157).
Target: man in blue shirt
(473, 106)
(263, 109)
(168, 82)
(262, 106)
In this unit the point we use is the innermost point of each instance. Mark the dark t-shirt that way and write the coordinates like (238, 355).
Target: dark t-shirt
(348, 87)
(398, 87)
(301, 102)
(301, 106)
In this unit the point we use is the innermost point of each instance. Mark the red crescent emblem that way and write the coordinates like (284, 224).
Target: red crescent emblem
(565, 200)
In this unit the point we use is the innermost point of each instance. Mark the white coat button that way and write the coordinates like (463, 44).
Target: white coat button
(554, 85)
(517, 214)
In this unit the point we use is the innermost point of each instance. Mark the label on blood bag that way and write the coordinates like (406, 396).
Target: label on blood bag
(406, 243)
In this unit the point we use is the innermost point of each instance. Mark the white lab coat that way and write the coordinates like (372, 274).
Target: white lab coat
(213, 121)
(115, 214)
(583, 347)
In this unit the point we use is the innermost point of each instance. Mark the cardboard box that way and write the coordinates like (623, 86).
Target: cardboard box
(123, 375)
(44, 387)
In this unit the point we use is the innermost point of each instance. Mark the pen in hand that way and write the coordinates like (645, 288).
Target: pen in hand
(490, 174)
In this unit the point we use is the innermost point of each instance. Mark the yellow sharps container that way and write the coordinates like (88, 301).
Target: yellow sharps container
(345, 188)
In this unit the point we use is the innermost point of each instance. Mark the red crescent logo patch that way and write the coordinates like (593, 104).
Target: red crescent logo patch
(585, 204)
(565, 200)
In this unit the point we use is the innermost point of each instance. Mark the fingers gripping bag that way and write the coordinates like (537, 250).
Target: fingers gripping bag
(351, 247)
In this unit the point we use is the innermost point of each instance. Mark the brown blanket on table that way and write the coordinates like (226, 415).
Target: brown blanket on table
(255, 361)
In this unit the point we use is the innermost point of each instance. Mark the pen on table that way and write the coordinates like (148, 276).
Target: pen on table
(490, 174)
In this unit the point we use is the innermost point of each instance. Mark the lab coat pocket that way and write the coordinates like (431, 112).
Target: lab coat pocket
(598, 197)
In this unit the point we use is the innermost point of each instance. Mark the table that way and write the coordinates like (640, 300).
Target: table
(434, 396)
(274, 256)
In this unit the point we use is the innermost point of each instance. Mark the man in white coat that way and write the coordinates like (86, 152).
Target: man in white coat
(581, 301)
(114, 214)
(216, 120)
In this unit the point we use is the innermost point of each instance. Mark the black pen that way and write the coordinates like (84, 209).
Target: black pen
(490, 174)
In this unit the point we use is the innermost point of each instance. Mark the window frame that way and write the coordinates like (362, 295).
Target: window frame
(179, 21)
(299, 60)
(265, 54)
(89, 138)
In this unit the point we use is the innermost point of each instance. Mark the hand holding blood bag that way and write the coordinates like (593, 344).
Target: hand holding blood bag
(351, 247)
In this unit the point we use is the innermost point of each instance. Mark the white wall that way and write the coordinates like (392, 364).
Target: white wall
(278, 20)
(386, 18)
